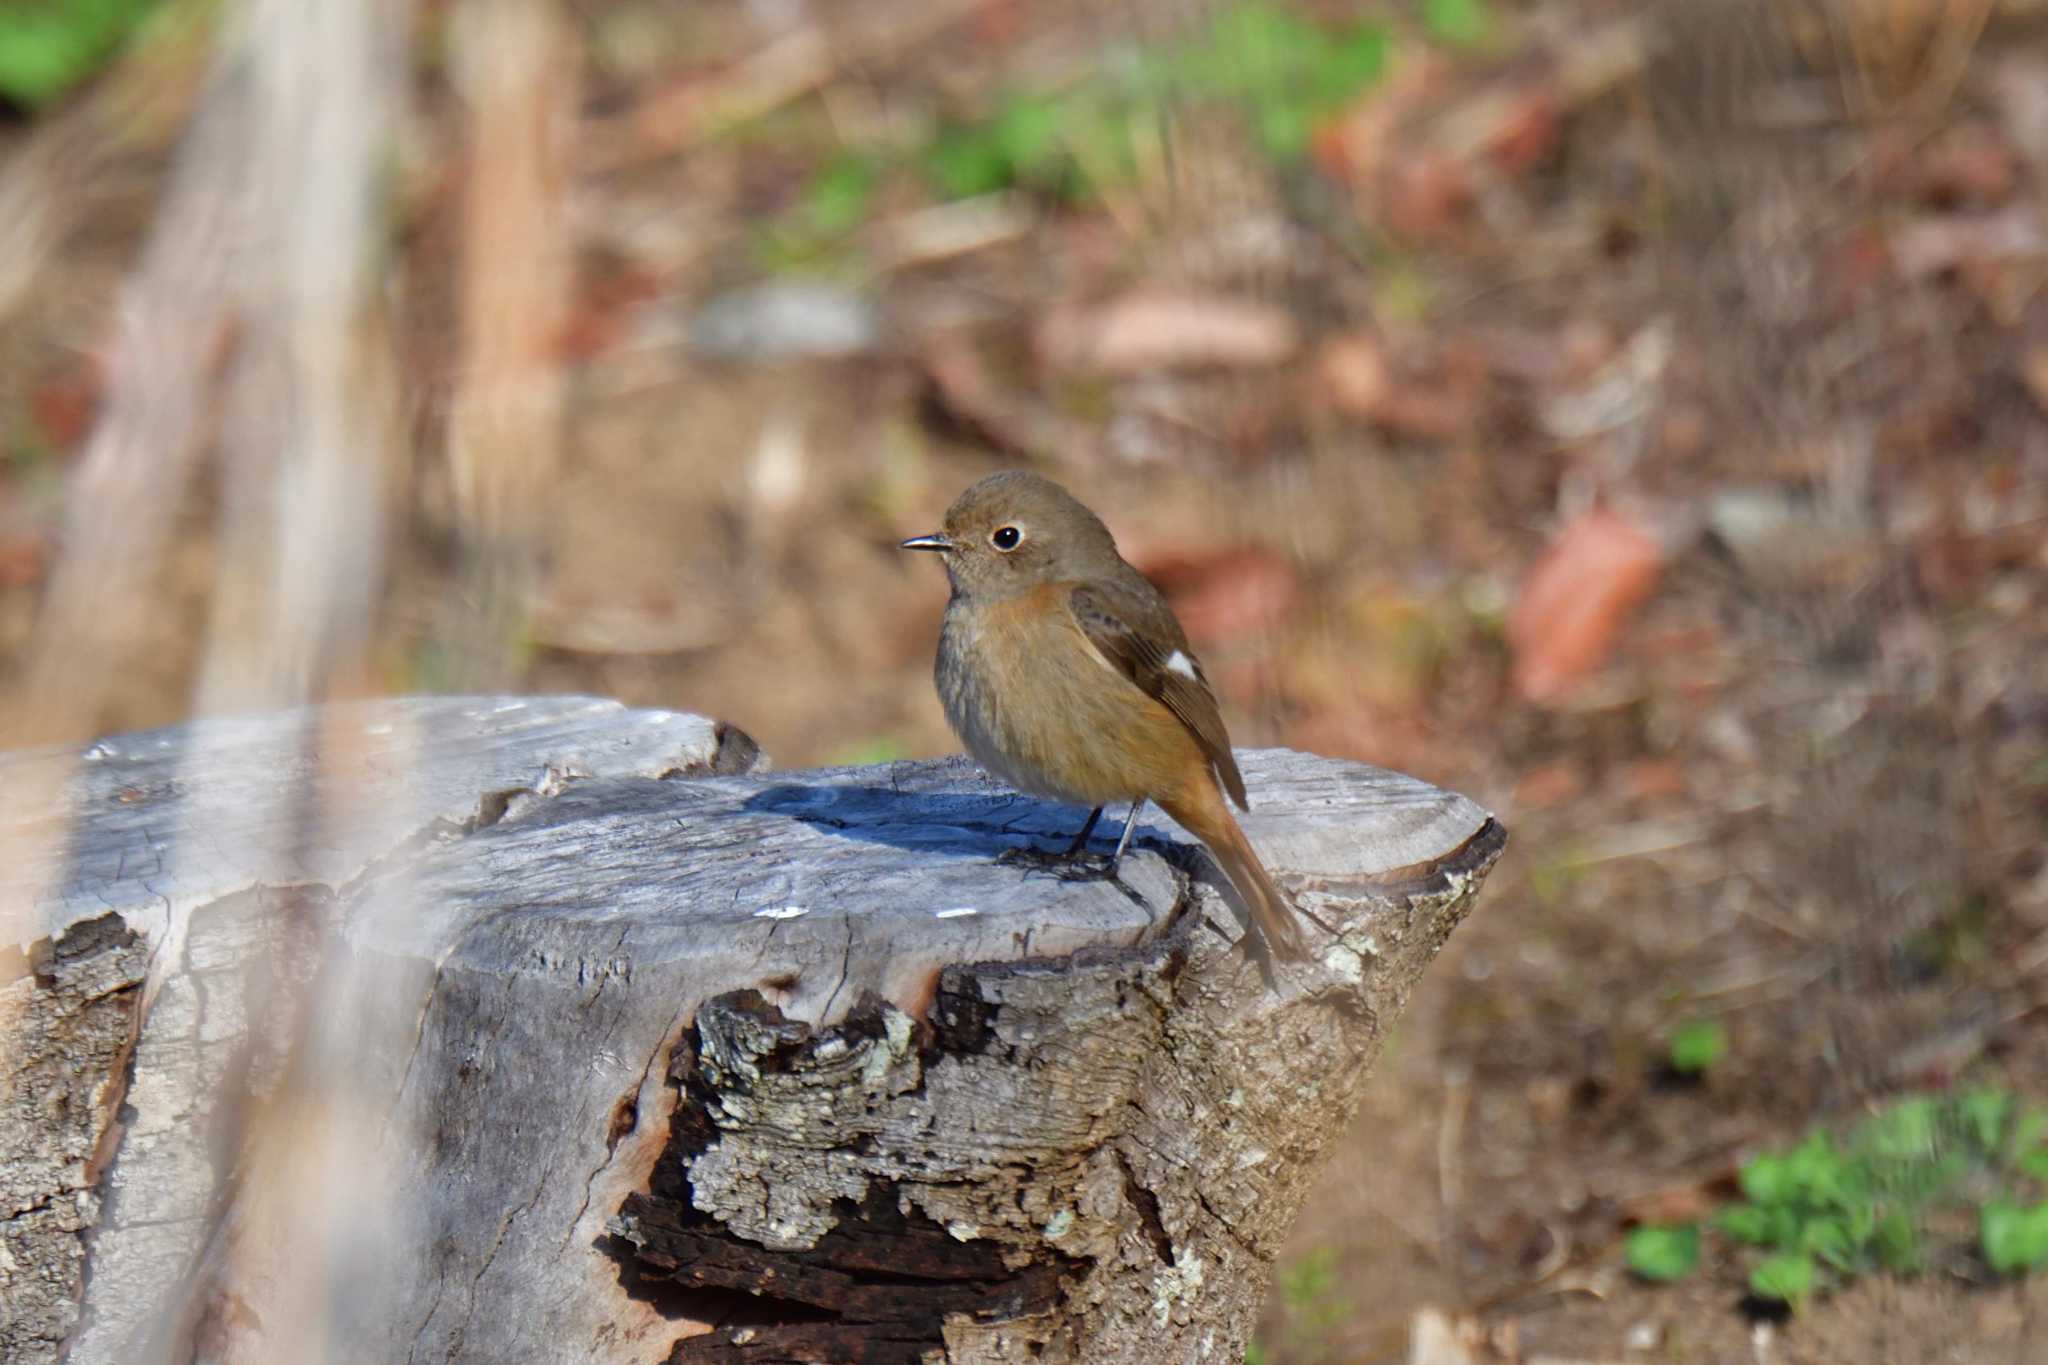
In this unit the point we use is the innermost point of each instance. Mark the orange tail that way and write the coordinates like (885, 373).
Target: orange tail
(1208, 819)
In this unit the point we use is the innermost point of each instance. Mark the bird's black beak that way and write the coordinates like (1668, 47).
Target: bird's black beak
(935, 541)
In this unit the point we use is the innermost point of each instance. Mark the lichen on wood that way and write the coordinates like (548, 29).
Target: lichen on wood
(648, 1053)
(1088, 1159)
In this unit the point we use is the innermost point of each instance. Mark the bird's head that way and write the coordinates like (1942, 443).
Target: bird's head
(1014, 530)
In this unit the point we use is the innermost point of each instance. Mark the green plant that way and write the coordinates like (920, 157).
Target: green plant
(1027, 142)
(834, 202)
(837, 198)
(1697, 1046)
(47, 47)
(2029, 1144)
(1316, 1306)
(1284, 75)
(1071, 144)
(1826, 1209)
(2014, 1237)
(1666, 1252)
(1787, 1276)
(1461, 22)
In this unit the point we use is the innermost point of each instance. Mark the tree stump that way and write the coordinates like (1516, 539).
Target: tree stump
(551, 1030)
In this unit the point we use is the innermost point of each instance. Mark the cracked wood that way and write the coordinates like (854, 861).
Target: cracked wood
(901, 1098)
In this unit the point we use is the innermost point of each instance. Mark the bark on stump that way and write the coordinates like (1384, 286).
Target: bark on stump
(643, 1053)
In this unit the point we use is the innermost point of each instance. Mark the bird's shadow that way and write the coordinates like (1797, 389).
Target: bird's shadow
(977, 826)
(962, 825)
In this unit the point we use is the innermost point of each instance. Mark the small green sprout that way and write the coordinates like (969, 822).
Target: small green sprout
(2014, 1237)
(1461, 23)
(1831, 1208)
(1788, 1277)
(1698, 1046)
(1664, 1252)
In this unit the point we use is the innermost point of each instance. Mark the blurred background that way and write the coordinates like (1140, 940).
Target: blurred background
(1633, 416)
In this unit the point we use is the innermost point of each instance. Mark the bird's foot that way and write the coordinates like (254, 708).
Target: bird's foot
(1069, 865)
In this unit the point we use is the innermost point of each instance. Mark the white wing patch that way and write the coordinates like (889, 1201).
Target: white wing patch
(1180, 663)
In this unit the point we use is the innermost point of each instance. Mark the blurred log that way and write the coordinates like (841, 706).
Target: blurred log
(736, 1067)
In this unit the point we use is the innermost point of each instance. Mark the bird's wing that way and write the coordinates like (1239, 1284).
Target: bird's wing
(1136, 631)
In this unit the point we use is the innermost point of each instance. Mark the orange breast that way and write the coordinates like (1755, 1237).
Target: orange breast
(1040, 706)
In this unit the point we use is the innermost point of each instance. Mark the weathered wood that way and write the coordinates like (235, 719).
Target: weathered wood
(195, 829)
(626, 1047)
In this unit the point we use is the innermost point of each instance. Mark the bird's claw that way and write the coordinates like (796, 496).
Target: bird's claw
(1068, 867)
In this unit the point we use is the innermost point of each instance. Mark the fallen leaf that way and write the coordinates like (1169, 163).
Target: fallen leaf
(1352, 370)
(601, 316)
(1435, 1338)
(1549, 785)
(1677, 1203)
(1942, 242)
(1356, 145)
(1970, 163)
(1353, 373)
(1650, 779)
(1159, 331)
(1419, 171)
(24, 558)
(1517, 128)
(1224, 597)
(2034, 369)
(1598, 570)
(1426, 196)
(66, 402)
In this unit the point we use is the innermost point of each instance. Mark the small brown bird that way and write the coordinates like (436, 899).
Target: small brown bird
(1065, 673)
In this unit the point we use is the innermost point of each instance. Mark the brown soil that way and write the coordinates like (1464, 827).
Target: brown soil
(1800, 789)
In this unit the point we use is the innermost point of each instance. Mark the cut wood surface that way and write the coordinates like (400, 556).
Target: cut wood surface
(639, 1052)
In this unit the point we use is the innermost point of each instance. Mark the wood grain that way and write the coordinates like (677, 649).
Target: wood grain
(641, 1052)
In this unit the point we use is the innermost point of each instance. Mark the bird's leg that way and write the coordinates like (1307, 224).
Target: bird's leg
(1081, 839)
(1076, 863)
(1124, 842)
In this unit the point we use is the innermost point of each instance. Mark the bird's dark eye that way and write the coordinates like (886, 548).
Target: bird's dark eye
(1006, 538)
